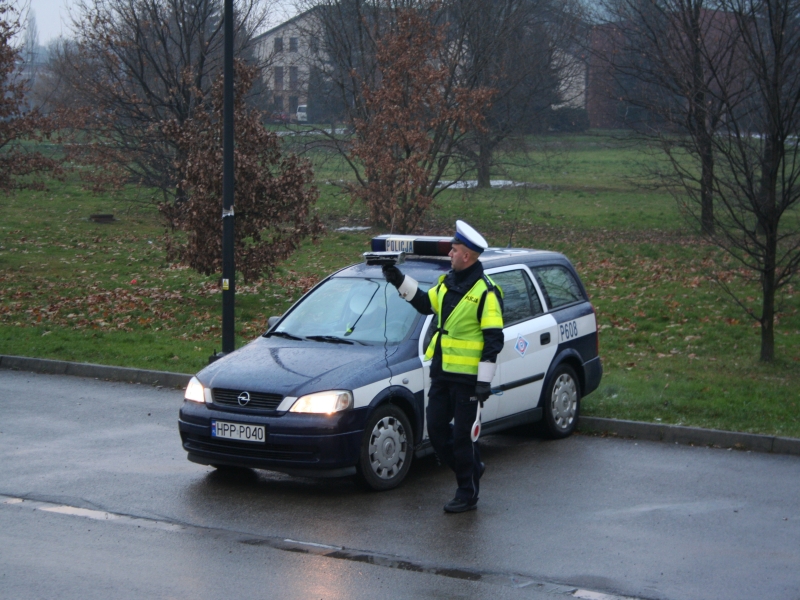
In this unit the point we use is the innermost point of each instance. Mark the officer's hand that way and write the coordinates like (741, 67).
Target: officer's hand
(393, 275)
(483, 390)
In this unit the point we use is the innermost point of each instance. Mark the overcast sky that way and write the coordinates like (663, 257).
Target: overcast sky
(49, 17)
(52, 17)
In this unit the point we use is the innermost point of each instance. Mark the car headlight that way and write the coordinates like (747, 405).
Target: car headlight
(194, 391)
(323, 402)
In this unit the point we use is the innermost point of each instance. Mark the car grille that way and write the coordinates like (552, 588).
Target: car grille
(233, 448)
(258, 400)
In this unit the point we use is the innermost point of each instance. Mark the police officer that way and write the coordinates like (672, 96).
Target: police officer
(464, 348)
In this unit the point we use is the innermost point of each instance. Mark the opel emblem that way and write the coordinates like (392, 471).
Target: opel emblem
(244, 398)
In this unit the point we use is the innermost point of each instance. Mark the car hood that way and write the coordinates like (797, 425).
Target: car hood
(293, 368)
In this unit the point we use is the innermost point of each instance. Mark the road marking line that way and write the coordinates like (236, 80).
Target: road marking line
(315, 545)
(96, 515)
(589, 595)
(323, 550)
(82, 512)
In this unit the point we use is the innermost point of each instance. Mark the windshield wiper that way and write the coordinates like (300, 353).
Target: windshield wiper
(284, 334)
(333, 339)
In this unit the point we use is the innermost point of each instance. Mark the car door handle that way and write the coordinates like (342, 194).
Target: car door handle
(545, 338)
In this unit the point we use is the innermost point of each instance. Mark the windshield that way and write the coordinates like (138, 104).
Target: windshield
(351, 309)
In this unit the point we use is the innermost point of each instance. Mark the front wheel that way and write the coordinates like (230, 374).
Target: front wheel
(562, 403)
(386, 451)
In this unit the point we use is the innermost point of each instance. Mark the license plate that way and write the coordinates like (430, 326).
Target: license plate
(238, 431)
(400, 245)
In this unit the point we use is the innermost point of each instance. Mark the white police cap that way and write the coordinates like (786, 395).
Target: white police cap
(465, 234)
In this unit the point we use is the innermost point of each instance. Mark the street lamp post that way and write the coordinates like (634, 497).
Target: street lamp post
(228, 219)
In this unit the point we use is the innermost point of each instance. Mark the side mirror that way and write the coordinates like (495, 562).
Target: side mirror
(272, 320)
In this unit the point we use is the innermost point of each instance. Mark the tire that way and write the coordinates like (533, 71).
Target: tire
(386, 449)
(562, 403)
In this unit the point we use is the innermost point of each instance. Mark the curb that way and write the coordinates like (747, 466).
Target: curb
(62, 367)
(677, 434)
(655, 432)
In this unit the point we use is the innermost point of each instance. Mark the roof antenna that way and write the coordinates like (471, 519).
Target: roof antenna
(366, 306)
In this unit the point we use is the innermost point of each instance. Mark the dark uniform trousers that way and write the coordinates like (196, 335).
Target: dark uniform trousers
(452, 443)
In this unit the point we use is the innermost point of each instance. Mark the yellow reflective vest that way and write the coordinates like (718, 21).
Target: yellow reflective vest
(462, 334)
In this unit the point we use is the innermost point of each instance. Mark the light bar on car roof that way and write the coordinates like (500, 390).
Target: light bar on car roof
(413, 244)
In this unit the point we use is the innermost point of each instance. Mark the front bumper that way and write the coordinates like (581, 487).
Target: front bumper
(295, 443)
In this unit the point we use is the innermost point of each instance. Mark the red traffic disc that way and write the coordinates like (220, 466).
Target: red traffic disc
(476, 431)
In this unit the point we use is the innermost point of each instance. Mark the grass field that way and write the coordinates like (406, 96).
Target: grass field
(674, 347)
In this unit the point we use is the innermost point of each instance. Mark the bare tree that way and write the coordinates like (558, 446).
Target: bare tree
(31, 40)
(665, 60)
(136, 64)
(407, 103)
(522, 50)
(20, 162)
(756, 181)
(519, 48)
(718, 90)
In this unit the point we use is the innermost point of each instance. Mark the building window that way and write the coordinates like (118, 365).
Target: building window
(293, 104)
(278, 44)
(292, 44)
(278, 79)
(313, 44)
(278, 103)
(293, 78)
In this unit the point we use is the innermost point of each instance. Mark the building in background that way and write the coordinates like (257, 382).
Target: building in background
(297, 63)
(289, 50)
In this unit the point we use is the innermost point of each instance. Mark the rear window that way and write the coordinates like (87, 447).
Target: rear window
(520, 301)
(559, 285)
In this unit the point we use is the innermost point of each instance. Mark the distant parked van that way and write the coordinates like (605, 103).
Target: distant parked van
(302, 115)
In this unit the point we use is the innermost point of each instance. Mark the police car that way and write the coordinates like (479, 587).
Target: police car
(338, 385)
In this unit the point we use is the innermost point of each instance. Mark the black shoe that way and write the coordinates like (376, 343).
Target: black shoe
(482, 470)
(457, 505)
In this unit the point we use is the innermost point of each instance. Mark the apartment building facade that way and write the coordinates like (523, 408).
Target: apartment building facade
(288, 49)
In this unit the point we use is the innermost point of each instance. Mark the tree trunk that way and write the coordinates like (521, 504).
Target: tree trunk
(768, 315)
(767, 186)
(768, 220)
(699, 123)
(484, 162)
(706, 188)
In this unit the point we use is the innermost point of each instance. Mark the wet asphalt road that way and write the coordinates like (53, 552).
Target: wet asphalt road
(644, 519)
